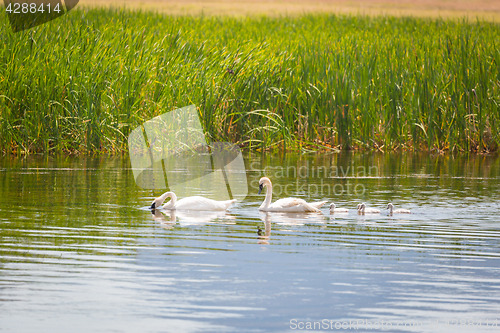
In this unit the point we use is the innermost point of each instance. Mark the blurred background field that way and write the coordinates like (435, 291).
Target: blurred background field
(484, 9)
(305, 82)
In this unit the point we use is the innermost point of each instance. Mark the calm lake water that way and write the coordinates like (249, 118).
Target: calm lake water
(79, 253)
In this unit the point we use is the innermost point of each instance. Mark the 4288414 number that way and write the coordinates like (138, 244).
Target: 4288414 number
(32, 8)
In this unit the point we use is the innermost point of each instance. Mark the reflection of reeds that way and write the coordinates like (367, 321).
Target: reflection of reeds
(84, 81)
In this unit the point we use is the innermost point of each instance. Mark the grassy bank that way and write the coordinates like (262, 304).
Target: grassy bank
(83, 82)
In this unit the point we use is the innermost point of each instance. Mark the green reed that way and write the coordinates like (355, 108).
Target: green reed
(83, 82)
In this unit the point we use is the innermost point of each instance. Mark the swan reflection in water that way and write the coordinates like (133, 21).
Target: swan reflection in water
(292, 218)
(166, 222)
(170, 217)
(264, 238)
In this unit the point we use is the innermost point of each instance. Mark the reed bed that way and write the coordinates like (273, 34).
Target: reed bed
(81, 83)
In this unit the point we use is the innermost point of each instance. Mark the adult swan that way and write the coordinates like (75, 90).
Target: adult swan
(189, 203)
(292, 205)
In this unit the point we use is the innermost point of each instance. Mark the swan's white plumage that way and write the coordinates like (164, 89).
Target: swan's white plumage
(201, 203)
(334, 209)
(363, 210)
(190, 203)
(390, 206)
(292, 205)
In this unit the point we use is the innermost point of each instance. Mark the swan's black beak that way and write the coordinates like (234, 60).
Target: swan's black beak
(261, 186)
(153, 206)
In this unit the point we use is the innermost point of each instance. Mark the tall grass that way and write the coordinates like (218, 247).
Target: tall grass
(82, 82)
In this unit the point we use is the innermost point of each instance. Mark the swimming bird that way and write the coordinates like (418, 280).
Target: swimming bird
(363, 210)
(333, 209)
(285, 205)
(390, 206)
(190, 203)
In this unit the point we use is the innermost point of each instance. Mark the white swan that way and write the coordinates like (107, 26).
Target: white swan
(292, 205)
(189, 203)
(390, 206)
(333, 209)
(363, 210)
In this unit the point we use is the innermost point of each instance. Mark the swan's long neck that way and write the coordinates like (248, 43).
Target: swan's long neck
(390, 209)
(171, 203)
(269, 197)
